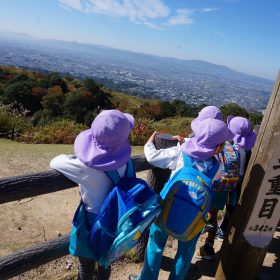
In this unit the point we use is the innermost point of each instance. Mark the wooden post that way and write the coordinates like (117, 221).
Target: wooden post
(13, 134)
(156, 179)
(258, 210)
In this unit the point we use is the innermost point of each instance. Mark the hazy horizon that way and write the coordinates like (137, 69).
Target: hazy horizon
(15, 35)
(239, 34)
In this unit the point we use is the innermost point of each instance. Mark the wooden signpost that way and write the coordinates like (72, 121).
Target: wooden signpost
(258, 211)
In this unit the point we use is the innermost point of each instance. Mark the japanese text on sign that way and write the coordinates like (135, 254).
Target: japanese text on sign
(265, 215)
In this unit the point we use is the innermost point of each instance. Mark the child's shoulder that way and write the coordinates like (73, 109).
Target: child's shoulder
(64, 161)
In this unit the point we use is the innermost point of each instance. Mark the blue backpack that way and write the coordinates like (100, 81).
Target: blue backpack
(126, 214)
(229, 178)
(187, 198)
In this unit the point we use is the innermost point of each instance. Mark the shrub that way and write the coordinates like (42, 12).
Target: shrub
(143, 128)
(13, 120)
(5, 121)
(59, 132)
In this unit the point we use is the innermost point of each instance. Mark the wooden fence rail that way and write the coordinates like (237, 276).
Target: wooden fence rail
(14, 264)
(19, 187)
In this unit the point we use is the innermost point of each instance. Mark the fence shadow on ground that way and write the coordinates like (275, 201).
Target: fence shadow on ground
(202, 268)
(196, 271)
(272, 271)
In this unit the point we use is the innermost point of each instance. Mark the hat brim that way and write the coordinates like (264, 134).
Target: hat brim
(195, 122)
(229, 118)
(100, 158)
(246, 143)
(230, 136)
(192, 149)
(130, 119)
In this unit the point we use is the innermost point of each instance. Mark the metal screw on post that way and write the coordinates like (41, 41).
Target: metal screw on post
(156, 179)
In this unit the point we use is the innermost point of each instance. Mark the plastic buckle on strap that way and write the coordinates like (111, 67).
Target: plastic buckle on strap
(230, 183)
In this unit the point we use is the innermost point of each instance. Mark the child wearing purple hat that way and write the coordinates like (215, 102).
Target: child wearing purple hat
(208, 112)
(209, 138)
(243, 141)
(103, 147)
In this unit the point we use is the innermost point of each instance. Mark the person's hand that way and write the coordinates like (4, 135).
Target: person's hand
(153, 136)
(179, 138)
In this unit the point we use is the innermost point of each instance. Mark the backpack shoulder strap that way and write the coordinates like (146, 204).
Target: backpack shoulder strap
(214, 168)
(189, 168)
(114, 176)
(230, 154)
(210, 171)
(187, 160)
(235, 148)
(129, 171)
(231, 147)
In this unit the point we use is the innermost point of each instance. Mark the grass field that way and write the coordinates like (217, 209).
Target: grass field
(175, 125)
(19, 158)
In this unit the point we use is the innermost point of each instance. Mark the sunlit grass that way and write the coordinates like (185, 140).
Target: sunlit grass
(19, 158)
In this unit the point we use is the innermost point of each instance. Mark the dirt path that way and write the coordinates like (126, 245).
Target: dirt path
(35, 220)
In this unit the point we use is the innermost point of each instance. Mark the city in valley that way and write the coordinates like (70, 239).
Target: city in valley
(193, 81)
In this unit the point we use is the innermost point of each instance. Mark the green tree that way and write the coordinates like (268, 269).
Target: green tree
(102, 98)
(77, 106)
(53, 104)
(91, 86)
(180, 107)
(76, 83)
(52, 80)
(3, 74)
(17, 78)
(255, 118)
(234, 110)
(17, 95)
(20, 94)
(166, 110)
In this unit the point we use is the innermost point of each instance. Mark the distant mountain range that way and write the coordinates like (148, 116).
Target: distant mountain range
(193, 81)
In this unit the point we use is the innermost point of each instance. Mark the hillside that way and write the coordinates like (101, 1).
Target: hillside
(46, 107)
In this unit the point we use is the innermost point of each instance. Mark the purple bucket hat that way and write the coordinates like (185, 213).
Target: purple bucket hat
(208, 112)
(105, 146)
(244, 137)
(208, 134)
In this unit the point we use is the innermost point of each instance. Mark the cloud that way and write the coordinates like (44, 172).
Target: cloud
(208, 10)
(182, 17)
(185, 16)
(74, 4)
(152, 13)
(132, 9)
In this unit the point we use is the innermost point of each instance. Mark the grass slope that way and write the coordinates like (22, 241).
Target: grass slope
(20, 158)
(175, 125)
